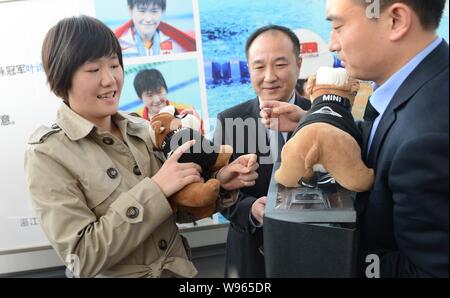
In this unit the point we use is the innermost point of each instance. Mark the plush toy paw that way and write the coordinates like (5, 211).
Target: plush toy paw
(205, 204)
(204, 193)
(197, 213)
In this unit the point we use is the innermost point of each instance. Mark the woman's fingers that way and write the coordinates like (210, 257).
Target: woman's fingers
(190, 165)
(181, 150)
(190, 172)
(192, 179)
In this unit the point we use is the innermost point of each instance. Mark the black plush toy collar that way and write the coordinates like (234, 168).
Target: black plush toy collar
(332, 98)
(335, 111)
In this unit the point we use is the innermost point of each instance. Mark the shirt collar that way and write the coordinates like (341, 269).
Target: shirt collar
(292, 100)
(384, 93)
(285, 134)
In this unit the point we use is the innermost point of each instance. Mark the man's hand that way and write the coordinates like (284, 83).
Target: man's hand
(281, 116)
(240, 173)
(258, 208)
(173, 175)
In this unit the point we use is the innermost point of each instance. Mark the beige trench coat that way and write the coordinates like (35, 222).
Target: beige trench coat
(96, 202)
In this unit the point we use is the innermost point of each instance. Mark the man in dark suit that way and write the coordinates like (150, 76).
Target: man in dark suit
(273, 54)
(403, 221)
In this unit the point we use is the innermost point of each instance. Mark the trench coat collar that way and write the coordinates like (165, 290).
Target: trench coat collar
(73, 125)
(77, 127)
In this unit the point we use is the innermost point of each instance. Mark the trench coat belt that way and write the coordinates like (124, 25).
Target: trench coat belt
(179, 266)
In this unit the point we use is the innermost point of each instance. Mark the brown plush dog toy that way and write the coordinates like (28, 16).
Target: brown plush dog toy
(327, 139)
(168, 133)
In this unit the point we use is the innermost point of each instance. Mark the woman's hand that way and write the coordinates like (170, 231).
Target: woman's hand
(281, 116)
(240, 173)
(173, 175)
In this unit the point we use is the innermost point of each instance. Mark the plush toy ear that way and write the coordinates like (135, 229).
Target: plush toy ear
(158, 127)
(311, 85)
(191, 121)
(175, 124)
(354, 85)
(168, 109)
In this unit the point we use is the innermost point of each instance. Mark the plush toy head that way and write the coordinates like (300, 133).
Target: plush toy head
(165, 122)
(332, 81)
(327, 139)
(168, 133)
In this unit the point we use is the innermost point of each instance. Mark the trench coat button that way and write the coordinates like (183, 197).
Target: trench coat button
(112, 173)
(55, 126)
(132, 212)
(162, 244)
(136, 171)
(108, 141)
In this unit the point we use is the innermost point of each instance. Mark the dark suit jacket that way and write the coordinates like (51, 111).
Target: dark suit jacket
(404, 218)
(243, 256)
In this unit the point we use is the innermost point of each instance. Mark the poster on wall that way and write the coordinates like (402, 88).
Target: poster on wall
(158, 41)
(161, 28)
(148, 87)
(226, 25)
(225, 28)
(192, 51)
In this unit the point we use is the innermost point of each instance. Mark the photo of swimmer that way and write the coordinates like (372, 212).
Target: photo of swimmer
(149, 87)
(150, 27)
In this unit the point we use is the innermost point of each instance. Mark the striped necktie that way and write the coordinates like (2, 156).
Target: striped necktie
(276, 144)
